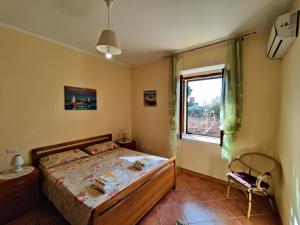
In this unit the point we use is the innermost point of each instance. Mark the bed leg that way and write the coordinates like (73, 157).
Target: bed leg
(174, 187)
(174, 167)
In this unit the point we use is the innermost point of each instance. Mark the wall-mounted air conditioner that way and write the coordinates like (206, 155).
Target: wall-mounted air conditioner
(283, 34)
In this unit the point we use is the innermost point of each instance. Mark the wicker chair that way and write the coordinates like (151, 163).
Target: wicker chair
(251, 172)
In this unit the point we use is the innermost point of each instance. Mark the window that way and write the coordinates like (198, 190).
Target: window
(200, 102)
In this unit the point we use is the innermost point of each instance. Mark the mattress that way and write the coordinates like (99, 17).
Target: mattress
(70, 186)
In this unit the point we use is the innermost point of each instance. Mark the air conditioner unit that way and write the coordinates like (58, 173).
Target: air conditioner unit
(283, 34)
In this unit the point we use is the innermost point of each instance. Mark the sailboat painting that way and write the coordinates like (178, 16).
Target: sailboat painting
(80, 98)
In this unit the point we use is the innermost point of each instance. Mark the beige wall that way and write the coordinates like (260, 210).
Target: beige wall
(212, 55)
(33, 73)
(198, 156)
(260, 108)
(150, 125)
(260, 112)
(288, 185)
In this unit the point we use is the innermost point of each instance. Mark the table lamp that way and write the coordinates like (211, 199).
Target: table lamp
(17, 162)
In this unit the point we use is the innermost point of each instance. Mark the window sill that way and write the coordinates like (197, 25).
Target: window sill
(193, 137)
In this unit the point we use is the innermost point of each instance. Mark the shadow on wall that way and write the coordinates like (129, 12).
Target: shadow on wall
(296, 200)
(295, 214)
(294, 187)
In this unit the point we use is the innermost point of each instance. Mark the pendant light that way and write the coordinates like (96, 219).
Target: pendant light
(108, 42)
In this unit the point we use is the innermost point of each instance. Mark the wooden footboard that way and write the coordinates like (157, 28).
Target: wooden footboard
(130, 205)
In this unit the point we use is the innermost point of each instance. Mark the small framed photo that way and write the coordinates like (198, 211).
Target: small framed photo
(150, 98)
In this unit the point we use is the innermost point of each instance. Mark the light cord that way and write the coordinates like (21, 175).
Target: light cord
(108, 20)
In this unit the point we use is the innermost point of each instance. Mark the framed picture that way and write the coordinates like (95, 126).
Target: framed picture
(150, 98)
(80, 98)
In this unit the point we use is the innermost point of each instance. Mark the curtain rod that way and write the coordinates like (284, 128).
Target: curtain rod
(218, 41)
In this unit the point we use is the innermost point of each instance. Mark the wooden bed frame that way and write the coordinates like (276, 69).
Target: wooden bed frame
(130, 205)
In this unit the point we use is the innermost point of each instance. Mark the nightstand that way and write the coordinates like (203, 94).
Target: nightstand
(18, 195)
(130, 144)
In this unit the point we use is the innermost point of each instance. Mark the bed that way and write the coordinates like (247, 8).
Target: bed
(69, 186)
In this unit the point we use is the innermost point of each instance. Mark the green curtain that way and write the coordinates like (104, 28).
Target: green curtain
(174, 85)
(231, 98)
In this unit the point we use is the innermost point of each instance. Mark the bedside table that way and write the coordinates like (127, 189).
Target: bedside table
(130, 145)
(18, 195)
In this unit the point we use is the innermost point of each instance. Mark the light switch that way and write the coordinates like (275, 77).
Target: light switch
(12, 150)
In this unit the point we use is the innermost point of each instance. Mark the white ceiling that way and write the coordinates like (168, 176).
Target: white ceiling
(147, 29)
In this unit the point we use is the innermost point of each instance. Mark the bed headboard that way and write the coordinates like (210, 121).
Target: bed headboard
(37, 153)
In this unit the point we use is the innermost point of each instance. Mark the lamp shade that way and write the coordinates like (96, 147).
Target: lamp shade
(109, 43)
(18, 160)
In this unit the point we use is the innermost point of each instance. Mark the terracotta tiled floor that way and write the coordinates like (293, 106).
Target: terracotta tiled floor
(196, 201)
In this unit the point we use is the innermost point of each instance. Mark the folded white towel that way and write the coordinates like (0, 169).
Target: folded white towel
(142, 163)
(107, 182)
(104, 188)
(102, 181)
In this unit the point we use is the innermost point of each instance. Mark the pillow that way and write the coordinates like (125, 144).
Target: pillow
(102, 147)
(60, 158)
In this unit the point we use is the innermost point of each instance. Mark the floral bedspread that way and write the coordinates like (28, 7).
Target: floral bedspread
(70, 186)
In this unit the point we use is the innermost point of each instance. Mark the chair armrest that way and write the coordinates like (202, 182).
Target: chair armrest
(232, 161)
(261, 177)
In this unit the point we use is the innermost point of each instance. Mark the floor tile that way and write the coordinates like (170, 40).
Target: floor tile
(184, 196)
(236, 206)
(261, 205)
(45, 214)
(194, 212)
(227, 222)
(181, 184)
(198, 183)
(217, 211)
(168, 214)
(168, 199)
(236, 194)
(219, 193)
(215, 191)
(184, 175)
(203, 194)
(269, 219)
(151, 218)
(203, 223)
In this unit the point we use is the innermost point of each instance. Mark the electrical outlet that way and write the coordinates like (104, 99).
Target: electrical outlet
(12, 150)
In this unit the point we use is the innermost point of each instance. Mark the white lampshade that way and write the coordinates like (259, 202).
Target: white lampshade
(17, 162)
(108, 43)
